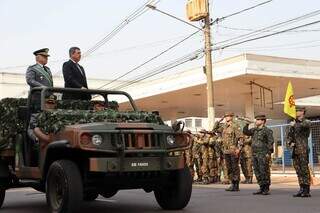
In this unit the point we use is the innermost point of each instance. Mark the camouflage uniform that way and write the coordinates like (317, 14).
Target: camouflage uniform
(196, 152)
(189, 156)
(205, 159)
(221, 163)
(297, 138)
(246, 159)
(231, 135)
(262, 148)
(213, 165)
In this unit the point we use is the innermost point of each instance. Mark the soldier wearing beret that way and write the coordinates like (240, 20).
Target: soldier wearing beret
(232, 138)
(39, 75)
(297, 140)
(262, 148)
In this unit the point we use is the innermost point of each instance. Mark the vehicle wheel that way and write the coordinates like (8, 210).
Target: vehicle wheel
(108, 194)
(177, 195)
(64, 186)
(90, 196)
(2, 195)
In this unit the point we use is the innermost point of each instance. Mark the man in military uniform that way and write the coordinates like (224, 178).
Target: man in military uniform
(196, 152)
(262, 148)
(205, 168)
(221, 163)
(213, 164)
(297, 140)
(39, 75)
(231, 136)
(188, 153)
(246, 160)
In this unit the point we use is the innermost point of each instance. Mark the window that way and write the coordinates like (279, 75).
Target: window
(188, 123)
(198, 122)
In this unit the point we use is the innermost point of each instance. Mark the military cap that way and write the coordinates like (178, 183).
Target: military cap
(51, 99)
(203, 131)
(228, 114)
(43, 52)
(300, 108)
(260, 117)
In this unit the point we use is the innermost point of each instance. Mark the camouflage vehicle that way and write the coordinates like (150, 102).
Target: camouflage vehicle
(90, 152)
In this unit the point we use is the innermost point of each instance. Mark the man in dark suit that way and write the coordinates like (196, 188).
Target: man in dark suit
(74, 75)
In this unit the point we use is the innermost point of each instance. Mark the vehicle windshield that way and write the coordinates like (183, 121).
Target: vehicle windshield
(93, 100)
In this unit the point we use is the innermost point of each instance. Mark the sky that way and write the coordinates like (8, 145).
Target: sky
(30, 25)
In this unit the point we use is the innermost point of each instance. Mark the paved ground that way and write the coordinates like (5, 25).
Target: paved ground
(205, 199)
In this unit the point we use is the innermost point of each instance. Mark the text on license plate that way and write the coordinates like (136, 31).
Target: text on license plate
(140, 164)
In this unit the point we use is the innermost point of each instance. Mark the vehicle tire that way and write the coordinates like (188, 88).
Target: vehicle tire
(90, 196)
(64, 187)
(108, 194)
(2, 195)
(177, 195)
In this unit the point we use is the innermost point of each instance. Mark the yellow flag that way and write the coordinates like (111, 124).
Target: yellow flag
(289, 102)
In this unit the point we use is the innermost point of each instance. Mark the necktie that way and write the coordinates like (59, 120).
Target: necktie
(79, 68)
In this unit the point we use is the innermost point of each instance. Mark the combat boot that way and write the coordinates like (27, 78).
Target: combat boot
(244, 181)
(205, 181)
(265, 190)
(236, 186)
(231, 187)
(218, 179)
(299, 192)
(259, 192)
(306, 191)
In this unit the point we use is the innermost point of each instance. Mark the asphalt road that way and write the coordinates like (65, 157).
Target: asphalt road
(212, 199)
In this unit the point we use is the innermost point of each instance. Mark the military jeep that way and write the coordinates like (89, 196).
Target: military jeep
(92, 152)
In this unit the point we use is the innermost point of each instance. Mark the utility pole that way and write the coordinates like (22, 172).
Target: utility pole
(208, 70)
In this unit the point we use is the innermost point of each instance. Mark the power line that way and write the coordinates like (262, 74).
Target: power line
(134, 15)
(151, 59)
(265, 36)
(277, 49)
(137, 13)
(250, 29)
(275, 26)
(217, 20)
(189, 57)
(282, 45)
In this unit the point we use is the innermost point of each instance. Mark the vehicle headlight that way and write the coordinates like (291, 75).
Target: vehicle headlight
(96, 140)
(170, 140)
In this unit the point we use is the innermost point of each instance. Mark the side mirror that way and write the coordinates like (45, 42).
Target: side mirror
(23, 113)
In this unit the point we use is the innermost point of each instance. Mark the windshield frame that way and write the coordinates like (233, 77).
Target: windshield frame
(103, 93)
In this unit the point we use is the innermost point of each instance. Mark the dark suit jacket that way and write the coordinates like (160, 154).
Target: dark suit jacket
(73, 78)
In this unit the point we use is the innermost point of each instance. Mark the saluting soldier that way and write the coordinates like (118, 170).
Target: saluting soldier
(232, 137)
(297, 139)
(39, 75)
(262, 148)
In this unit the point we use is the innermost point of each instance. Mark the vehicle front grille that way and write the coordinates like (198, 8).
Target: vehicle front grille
(141, 140)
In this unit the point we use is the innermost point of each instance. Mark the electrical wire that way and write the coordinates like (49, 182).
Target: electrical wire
(150, 59)
(265, 36)
(189, 57)
(271, 27)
